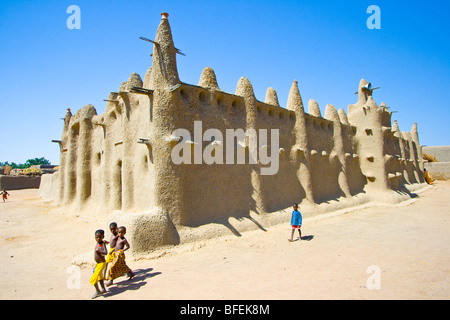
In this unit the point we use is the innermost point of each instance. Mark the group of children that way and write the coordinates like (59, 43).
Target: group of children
(118, 244)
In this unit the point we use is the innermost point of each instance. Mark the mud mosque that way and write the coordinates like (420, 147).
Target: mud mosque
(118, 164)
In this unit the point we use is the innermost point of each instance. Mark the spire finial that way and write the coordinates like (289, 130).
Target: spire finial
(164, 64)
(343, 116)
(295, 102)
(272, 97)
(331, 113)
(244, 88)
(208, 79)
(313, 108)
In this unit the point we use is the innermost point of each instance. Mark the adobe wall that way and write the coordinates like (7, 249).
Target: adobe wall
(441, 153)
(334, 170)
(19, 182)
(438, 170)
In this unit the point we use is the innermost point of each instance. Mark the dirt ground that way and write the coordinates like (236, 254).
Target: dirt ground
(386, 252)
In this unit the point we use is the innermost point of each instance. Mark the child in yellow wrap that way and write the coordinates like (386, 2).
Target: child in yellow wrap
(112, 243)
(99, 256)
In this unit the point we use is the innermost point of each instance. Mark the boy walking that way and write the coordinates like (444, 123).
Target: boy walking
(99, 257)
(112, 244)
(296, 222)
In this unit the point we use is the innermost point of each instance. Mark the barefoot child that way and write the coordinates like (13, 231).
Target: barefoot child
(118, 266)
(296, 222)
(4, 194)
(112, 243)
(99, 253)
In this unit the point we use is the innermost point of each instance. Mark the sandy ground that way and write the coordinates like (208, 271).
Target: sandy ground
(386, 252)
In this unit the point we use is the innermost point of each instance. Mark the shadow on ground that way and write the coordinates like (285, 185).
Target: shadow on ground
(308, 238)
(131, 284)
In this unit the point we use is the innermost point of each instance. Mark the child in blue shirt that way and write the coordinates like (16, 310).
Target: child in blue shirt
(296, 222)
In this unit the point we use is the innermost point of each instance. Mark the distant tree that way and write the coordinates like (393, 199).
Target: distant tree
(7, 169)
(27, 164)
(36, 161)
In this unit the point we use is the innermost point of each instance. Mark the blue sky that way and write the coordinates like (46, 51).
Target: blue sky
(325, 45)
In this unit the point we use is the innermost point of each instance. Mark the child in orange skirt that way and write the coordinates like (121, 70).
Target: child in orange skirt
(118, 265)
